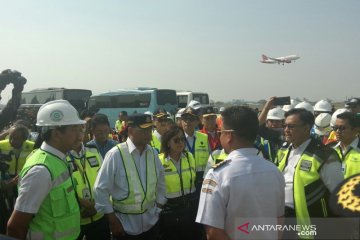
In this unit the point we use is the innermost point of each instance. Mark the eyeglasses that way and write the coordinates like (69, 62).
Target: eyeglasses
(225, 130)
(292, 126)
(189, 119)
(340, 128)
(179, 140)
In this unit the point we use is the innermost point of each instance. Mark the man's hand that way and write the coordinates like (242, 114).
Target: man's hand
(116, 228)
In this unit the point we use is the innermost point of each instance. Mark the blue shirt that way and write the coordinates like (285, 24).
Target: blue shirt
(103, 148)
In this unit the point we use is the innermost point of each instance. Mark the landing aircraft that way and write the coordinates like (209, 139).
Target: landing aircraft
(283, 60)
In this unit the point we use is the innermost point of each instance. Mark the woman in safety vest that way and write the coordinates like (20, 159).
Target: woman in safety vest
(177, 220)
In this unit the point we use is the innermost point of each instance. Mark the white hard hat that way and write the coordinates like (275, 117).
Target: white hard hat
(194, 104)
(322, 124)
(222, 109)
(276, 114)
(334, 115)
(287, 108)
(307, 106)
(322, 106)
(180, 112)
(58, 113)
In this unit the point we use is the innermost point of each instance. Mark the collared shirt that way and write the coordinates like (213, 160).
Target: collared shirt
(103, 148)
(190, 143)
(353, 144)
(330, 173)
(244, 188)
(36, 184)
(112, 180)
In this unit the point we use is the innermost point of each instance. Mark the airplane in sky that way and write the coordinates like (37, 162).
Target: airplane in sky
(283, 60)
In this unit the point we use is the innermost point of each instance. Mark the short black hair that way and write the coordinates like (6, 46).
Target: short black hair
(305, 116)
(166, 137)
(243, 120)
(99, 119)
(124, 113)
(352, 118)
(23, 130)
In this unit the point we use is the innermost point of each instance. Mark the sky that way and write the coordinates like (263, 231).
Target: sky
(199, 45)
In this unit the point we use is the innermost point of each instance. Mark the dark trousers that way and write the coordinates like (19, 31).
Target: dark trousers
(151, 234)
(95, 230)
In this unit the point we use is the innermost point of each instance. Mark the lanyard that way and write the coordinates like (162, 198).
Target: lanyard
(82, 167)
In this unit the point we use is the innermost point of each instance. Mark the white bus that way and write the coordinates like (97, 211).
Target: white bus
(185, 97)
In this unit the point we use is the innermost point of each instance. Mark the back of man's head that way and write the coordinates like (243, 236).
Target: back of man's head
(243, 121)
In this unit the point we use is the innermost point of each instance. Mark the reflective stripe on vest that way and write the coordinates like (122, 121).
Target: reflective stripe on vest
(350, 162)
(15, 165)
(60, 207)
(84, 181)
(179, 184)
(139, 199)
(201, 151)
(308, 187)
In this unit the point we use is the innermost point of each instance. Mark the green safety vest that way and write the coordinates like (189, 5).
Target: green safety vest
(350, 161)
(155, 143)
(15, 165)
(59, 215)
(182, 182)
(84, 180)
(139, 199)
(201, 151)
(118, 125)
(310, 194)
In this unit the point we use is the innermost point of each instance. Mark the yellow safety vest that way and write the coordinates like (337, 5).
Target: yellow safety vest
(118, 125)
(350, 161)
(139, 199)
(16, 164)
(201, 152)
(84, 173)
(218, 156)
(179, 182)
(155, 143)
(310, 193)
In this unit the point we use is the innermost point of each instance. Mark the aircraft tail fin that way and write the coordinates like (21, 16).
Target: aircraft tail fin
(264, 57)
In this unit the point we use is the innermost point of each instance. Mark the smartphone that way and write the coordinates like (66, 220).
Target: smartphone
(279, 101)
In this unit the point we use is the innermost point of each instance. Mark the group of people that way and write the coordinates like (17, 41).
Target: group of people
(197, 177)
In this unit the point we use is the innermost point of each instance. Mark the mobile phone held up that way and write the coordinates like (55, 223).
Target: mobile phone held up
(280, 101)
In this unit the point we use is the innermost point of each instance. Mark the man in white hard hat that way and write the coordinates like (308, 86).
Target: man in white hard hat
(322, 127)
(305, 105)
(322, 106)
(270, 131)
(46, 207)
(331, 141)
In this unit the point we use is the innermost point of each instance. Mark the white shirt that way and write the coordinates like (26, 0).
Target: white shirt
(245, 188)
(330, 173)
(112, 180)
(353, 144)
(36, 184)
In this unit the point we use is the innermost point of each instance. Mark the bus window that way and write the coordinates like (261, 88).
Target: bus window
(182, 101)
(201, 98)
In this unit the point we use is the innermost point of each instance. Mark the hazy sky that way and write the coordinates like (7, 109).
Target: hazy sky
(200, 45)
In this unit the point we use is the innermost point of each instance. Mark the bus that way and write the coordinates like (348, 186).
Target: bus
(77, 97)
(184, 98)
(138, 100)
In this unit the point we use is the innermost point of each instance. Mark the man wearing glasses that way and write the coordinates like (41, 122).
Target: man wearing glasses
(347, 128)
(244, 187)
(133, 176)
(311, 170)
